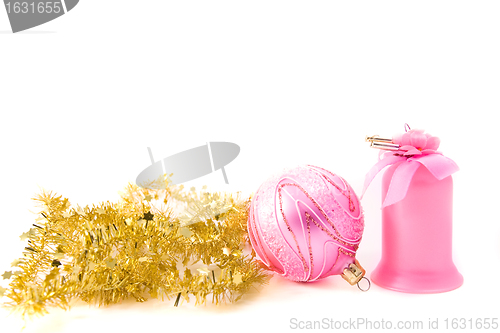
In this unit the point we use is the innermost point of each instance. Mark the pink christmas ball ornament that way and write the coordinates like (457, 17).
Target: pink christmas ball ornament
(306, 224)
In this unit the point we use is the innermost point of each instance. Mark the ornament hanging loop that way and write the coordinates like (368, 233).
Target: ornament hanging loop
(369, 284)
(407, 127)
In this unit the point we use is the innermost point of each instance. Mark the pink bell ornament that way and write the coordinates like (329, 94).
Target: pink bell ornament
(417, 196)
(306, 223)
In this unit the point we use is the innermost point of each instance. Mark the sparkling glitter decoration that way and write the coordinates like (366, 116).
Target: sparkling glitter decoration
(306, 224)
(135, 248)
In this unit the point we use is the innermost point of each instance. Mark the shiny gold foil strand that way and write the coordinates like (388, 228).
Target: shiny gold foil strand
(104, 254)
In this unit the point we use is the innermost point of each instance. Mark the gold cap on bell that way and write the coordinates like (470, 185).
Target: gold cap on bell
(381, 143)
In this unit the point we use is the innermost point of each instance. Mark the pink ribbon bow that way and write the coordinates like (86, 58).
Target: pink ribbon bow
(413, 153)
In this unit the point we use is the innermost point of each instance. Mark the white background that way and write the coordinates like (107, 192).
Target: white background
(290, 82)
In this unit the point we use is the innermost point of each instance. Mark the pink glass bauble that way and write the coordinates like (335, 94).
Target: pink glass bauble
(306, 224)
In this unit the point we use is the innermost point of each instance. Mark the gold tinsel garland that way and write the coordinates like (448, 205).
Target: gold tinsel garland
(136, 248)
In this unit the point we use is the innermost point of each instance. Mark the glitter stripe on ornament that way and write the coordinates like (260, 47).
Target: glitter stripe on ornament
(255, 238)
(352, 206)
